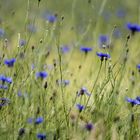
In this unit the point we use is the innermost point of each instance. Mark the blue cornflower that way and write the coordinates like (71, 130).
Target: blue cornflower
(3, 87)
(42, 74)
(89, 126)
(133, 101)
(85, 49)
(121, 12)
(103, 55)
(65, 49)
(30, 120)
(50, 17)
(10, 62)
(41, 136)
(1, 32)
(83, 91)
(22, 42)
(4, 101)
(5, 79)
(138, 66)
(80, 107)
(103, 41)
(39, 120)
(133, 27)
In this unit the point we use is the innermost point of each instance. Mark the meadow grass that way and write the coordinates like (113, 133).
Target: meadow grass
(75, 70)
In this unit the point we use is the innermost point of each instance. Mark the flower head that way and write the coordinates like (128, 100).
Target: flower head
(89, 126)
(103, 41)
(138, 66)
(85, 49)
(22, 42)
(41, 136)
(39, 120)
(103, 55)
(50, 17)
(83, 91)
(133, 101)
(41, 74)
(80, 107)
(10, 62)
(65, 49)
(5, 79)
(133, 27)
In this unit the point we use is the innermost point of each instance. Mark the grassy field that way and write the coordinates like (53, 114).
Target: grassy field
(69, 70)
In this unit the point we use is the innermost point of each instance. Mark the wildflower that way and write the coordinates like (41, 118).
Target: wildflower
(41, 136)
(85, 49)
(80, 107)
(121, 12)
(65, 49)
(5, 79)
(22, 42)
(4, 101)
(50, 17)
(30, 120)
(10, 62)
(103, 55)
(41, 74)
(83, 91)
(1, 32)
(133, 101)
(138, 66)
(39, 120)
(103, 41)
(133, 27)
(3, 87)
(89, 126)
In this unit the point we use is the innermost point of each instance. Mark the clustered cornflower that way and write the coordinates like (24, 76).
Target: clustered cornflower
(10, 62)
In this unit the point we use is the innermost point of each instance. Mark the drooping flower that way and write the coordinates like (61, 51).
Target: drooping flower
(42, 74)
(41, 136)
(1, 32)
(83, 91)
(39, 120)
(80, 107)
(133, 27)
(103, 41)
(89, 126)
(4, 102)
(85, 49)
(103, 55)
(10, 62)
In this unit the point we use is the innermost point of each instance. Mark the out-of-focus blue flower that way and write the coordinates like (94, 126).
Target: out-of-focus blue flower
(83, 91)
(138, 66)
(80, 107)
(4, 101)
(3, 87)
(117, 33)
(41, 136)
(133, 27)
(65, 49)
(89, 126)
(64, 82)
(5, 79)
(1, 32)
(133, 101)
(31, 28)
(30, 120)
(39, 120)
(10, 62)
(42, 74)
(50, 17)
(85, 49)
(103, 41)
(121, 12)
(103, 55)
(22, 42)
